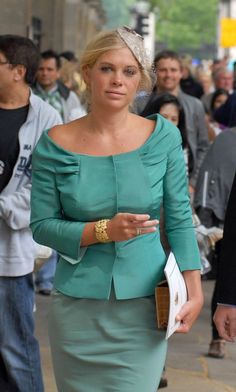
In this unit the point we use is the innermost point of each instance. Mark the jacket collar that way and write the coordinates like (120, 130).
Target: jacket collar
(33, 107)
(60, 87)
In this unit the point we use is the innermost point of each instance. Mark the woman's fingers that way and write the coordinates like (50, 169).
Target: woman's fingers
(144, 230)
(126, 226)
(147, 223)
(138, 223)
(141, 221)
(135, 217)
(187, 315)
(144, 227)
(183, 328)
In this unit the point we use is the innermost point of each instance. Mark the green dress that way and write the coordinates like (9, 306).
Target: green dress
(117, 350)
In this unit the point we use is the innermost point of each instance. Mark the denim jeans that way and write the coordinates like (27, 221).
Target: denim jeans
(45, 276)
(20, 368)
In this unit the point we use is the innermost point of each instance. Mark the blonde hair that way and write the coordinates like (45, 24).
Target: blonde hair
(102, 43)
(67, 74)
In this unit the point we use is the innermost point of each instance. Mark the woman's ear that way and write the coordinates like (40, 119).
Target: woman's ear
(86, 74)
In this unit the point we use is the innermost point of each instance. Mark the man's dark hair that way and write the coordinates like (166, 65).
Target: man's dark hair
(68, 55)
(51, 54)
(167, 54)
(21, 51)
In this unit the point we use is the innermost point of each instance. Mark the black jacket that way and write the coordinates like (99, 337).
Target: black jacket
(226, 113)
(227, 266)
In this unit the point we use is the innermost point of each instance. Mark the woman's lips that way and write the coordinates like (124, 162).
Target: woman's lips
(114, 92)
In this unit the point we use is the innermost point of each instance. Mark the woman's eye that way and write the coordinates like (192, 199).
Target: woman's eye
(130, 71)
(106, 68)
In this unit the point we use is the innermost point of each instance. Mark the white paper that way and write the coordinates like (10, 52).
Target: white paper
(178, 293)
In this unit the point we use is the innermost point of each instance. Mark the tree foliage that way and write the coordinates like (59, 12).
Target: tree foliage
(181, 25)
(185, 23)
(117, 12)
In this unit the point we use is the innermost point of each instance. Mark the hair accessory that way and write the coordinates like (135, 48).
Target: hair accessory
(134, 41)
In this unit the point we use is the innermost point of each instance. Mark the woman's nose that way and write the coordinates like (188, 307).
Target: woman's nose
(117, 80)
(117, 83)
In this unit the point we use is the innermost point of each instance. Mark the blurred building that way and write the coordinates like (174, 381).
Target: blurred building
(57, 24)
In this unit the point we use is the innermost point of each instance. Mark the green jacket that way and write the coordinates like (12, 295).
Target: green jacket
(71, 189)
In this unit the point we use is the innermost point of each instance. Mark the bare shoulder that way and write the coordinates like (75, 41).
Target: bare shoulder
(143, 124)
(64, 134)
(56, 132)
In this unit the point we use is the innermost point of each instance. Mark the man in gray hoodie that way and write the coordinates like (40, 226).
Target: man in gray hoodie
(23, 117)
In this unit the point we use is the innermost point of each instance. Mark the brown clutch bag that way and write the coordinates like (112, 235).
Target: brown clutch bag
(162, 297)
(171, 295)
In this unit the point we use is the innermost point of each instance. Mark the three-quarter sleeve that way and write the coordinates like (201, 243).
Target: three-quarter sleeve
(48, 222)
(177, 210)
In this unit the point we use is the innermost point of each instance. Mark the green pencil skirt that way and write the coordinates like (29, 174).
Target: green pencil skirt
(106, 345)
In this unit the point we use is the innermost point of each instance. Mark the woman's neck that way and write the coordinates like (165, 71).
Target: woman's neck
(105, 122)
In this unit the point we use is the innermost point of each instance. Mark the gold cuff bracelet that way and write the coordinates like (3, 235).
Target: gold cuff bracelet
(101, 230)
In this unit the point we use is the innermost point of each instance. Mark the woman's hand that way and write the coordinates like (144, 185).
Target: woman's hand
(190, 311)
(188, 314)
(124, 226)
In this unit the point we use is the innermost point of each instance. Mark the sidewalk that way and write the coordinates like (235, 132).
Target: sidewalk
(188, 367)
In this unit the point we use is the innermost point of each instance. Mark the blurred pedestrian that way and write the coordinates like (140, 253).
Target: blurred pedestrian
(226, 113)
(69, 56)
(211, 198)
(188, 83)
(222, 79)
(71, 78)
(169, 107)
(23, 116)
(168, 68)
(225, 315)
(107, 175)
(52, 90)
(66, 102)
(205, 79)
(219, 97)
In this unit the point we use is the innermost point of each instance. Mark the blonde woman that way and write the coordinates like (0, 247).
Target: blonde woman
(98, 185)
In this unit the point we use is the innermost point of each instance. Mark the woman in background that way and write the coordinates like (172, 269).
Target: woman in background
(169, 107)
(219, 97)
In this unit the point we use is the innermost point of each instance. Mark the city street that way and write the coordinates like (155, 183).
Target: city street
(188, 367)
(114, 113)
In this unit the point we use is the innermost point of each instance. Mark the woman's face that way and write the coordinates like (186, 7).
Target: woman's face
(170, 112)
(220, 100)
(114, 79)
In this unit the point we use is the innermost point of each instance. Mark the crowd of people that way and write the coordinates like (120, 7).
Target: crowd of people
(106, 161)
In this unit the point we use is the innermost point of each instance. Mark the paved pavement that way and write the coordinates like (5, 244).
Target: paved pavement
(188, 367)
